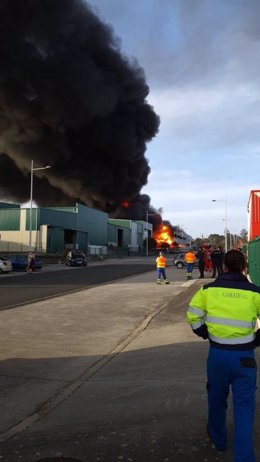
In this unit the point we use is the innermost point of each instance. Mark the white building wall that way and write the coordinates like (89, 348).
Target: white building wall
(23, 219)
(18, 241)
(14, 241)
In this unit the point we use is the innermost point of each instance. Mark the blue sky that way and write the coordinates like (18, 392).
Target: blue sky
(201, 59)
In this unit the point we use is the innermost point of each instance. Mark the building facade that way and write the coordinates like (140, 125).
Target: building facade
(55, 230)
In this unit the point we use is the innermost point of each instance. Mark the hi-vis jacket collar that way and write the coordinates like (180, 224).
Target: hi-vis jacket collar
(233, 281)
(232, 276)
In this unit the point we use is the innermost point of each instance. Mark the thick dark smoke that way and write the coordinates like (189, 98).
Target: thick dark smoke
(139, 208)
(68, 98)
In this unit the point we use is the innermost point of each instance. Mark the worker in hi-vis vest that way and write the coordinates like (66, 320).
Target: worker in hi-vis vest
(160, 266)
(225, 312)
(190, 259)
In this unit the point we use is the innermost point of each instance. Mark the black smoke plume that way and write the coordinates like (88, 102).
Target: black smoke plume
(139, 208)
(70, 99)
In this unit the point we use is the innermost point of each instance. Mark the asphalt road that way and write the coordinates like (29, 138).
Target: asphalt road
(104, 374)
(23, 288)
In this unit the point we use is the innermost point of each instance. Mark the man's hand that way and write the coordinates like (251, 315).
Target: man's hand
(202, 331)
(257, 338)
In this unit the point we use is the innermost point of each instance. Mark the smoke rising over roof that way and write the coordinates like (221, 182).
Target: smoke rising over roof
(70, 99)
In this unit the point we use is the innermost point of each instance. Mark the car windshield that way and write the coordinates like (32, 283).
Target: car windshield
(77, 255)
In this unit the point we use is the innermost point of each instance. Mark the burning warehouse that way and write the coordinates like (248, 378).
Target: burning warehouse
(164, 236)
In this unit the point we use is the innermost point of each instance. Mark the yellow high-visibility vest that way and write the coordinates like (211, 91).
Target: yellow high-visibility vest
(161, 261)
(189, 257)
(229, 307)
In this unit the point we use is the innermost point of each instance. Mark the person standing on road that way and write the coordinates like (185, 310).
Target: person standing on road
(217, 257)
(161, 265)
(200, 255)
(30, 262)
(189, 258)
(225, 312)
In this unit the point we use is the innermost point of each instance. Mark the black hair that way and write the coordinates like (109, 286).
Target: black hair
(235, 261)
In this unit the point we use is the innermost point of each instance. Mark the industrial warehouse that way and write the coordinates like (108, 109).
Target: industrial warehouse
(53, 230)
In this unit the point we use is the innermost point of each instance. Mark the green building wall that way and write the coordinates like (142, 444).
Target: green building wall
(112, 233)
(254, 260)
(113, 228)
(120, 223)
(86, 226)
(96, 224)
(55, 240)
(53, 217)
(9, 219)
(81, 218)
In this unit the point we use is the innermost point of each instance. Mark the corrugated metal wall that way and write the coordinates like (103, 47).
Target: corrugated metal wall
(55, 240)
(86, 226)
(95, 223)
(83, 241)
(10, 219)
(58, 218)
(120, 222)
(112, 233)
(254, 260)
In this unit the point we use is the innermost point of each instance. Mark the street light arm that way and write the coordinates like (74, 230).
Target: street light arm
(41, 168)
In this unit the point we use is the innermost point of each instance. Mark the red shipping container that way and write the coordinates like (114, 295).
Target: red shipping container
(254, 215)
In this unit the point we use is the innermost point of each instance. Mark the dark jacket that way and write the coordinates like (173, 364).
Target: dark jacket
(217, 256)
(200, 257)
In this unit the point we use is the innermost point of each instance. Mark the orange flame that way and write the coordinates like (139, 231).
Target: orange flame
(163, 235)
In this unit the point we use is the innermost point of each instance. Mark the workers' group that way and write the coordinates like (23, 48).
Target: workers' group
(216, 256)
(161, 265)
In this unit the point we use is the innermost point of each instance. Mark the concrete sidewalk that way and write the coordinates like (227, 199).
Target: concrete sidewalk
(108, 374)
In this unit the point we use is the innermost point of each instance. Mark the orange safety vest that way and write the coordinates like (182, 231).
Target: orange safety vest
(161, 262)
(189, 257)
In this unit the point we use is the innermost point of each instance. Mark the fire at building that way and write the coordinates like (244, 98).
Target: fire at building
(167, 236)
(164, 237)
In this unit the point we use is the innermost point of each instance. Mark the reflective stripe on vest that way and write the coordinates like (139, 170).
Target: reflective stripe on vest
(196, 325)
(197, 311)
(230, 322)
(234, 340)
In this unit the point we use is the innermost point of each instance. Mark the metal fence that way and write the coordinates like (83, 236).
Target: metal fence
(254, 260)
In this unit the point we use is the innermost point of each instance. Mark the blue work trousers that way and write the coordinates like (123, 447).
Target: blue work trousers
(161, 273)
(189, 268)
(237, 369)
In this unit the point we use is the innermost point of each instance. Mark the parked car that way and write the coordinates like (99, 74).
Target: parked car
(76, 258)
(5, 265)
(179, 261)
(20, 262)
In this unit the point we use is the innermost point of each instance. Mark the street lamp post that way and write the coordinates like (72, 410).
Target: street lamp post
(31, 199)
(225, 201)
(148, 215)
(180, 228)
(147, 250)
